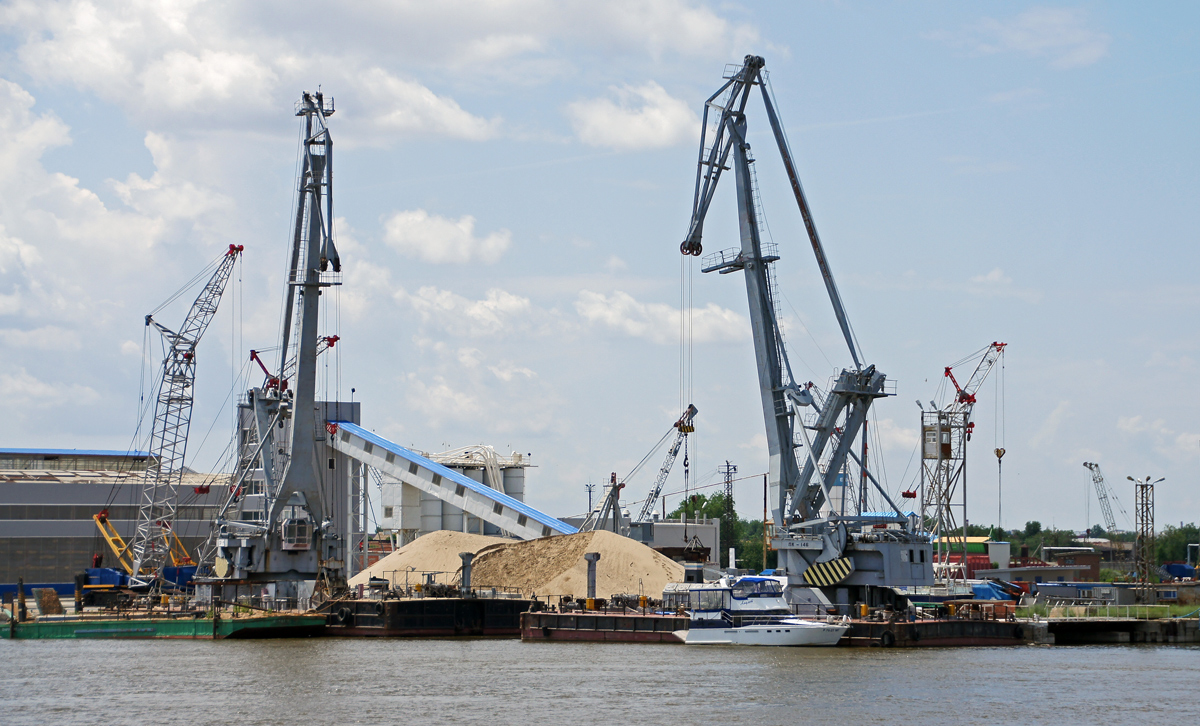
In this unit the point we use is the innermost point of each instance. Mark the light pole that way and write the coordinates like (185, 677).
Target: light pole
(1143, 547)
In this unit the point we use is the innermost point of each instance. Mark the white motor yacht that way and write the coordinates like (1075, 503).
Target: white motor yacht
(748, 610)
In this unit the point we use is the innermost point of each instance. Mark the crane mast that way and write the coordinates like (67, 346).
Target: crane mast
(153, 539)
(945, 433)
(277, 526)
(803, 468)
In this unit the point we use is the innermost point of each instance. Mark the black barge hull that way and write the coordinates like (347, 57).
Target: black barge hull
(425, 618)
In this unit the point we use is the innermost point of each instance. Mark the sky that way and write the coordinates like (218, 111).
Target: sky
(512, 180)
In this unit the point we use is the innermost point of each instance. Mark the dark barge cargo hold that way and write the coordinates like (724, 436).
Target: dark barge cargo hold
(601, 626)
(427, 617)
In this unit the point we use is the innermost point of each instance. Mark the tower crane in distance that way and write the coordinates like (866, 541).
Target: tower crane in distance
(684, 427)
(1102, 487)
(945, 433)
(154, 540)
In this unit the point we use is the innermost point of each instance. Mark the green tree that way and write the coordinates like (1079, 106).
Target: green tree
(1032, 529)
(1171, 544)
(748, 536)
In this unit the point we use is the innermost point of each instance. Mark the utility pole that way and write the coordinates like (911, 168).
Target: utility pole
(590, 489)
(729, 517)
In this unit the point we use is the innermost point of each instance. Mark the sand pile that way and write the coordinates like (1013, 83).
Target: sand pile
(555, 566)
(434, 552)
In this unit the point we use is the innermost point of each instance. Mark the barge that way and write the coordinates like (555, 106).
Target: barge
(427, 617)
(194, 627)
(604, 626)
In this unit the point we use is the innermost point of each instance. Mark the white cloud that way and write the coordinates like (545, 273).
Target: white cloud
(50, 337)
(893, 437)
(400, 108)
(440, 402)
(657, 322)
(439, 240)
(1059, 34)
(642, 117)
(19, 388)
(508, 371)
(1052, 424)
(995, 283)
(499, 312)
(183, 81)
(212, 65)
(168, 193)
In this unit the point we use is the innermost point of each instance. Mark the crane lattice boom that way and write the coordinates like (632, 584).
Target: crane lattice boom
(1102, 494)
(153, 537)
(684, 427)
(966, 394)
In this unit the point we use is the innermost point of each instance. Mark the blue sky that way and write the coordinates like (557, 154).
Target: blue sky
(512, 183)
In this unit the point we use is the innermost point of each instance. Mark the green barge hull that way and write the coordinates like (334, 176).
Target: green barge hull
(257, 626)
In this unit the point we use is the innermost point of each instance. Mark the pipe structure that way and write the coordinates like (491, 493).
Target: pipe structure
(592, 558)
(465, 581)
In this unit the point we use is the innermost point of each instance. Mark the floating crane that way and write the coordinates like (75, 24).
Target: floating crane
(813, 542)
(945, 433)
(154, 540)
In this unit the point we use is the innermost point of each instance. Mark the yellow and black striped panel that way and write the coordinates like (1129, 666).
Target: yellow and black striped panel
(824, 574)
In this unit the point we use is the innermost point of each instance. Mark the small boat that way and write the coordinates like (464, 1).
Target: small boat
(748, 610)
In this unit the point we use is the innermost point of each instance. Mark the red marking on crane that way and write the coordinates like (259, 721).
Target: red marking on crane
(909, 494)
(332, 428)
(234, 249)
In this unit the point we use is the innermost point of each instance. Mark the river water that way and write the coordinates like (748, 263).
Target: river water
(349, 681)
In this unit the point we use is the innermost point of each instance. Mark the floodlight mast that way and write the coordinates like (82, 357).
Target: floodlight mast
(808, 533)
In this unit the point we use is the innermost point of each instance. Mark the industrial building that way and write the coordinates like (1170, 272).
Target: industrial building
(49, 496)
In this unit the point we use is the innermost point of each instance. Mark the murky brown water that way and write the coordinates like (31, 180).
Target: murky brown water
(334, 681)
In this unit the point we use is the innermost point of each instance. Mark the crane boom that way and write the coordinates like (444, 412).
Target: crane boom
(966, 394)
(1102, 494)
(684, 427)
(153, 537)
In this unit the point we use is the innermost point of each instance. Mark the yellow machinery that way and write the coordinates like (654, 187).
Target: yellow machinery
(178, 554)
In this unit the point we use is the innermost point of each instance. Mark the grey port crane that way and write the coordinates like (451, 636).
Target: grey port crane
(814, 542)
(154, 540)
(277, 524)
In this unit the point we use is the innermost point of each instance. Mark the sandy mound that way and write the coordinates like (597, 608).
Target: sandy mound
(434, 552)
(555, 566)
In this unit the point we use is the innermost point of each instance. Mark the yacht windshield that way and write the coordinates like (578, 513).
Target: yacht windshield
(756, 587)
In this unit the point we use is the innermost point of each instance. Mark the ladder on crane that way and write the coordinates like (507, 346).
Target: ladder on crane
(154, 540)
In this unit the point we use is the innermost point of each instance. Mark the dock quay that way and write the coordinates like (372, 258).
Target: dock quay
(939, 633)
(602, 626)
(1101, 631)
